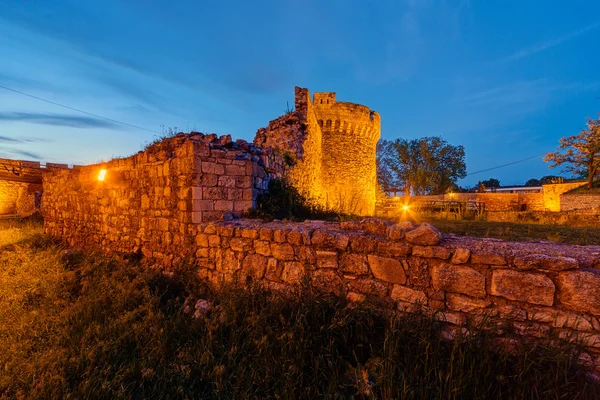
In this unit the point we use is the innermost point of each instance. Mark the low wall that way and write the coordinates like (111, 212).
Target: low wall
(544, 289)
(19, 197)
(572, 202)
(151, 203)
(553, 191)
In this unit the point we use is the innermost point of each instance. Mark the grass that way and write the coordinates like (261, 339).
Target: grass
(76, 325)
(583, 189)
(514, 231)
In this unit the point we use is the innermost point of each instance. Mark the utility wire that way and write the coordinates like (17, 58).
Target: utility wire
(75, 109)
(506, 165)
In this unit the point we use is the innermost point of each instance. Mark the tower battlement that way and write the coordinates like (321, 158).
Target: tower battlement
(335, 146)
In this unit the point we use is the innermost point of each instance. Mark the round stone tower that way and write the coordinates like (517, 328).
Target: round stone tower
(348, 168)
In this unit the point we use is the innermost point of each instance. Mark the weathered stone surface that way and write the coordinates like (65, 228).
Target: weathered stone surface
(395, 232)
(351, 225)
(354, 264)
(282, 251)
(417, 269)
(461, 256)
(292, 272)
(262, 247)
(425, 235)
(580, 290)
(375, 225)
(544, 262)
(488, 258)
(368, 286)
(431, 252)
(459, 302)
(306, 254)
(522, 286)
(254, 265)
(363, 243)
(274, 269)
(387, 269)
(354, 297)
(458, 279)
(393, 249)
(559, 318)
(330, 240)
(295, 238)
(403, 293)
(327, 259)
(329, 281)
(241, 244)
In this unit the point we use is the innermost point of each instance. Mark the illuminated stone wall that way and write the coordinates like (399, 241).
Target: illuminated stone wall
(333, 144)
(151, 203)
(553, 191)
(543, 290)
(18, 197)
(573, 202)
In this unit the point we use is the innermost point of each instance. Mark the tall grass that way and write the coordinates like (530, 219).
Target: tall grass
(77, 325)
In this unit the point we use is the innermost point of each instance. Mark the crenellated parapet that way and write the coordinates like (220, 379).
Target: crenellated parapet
(334, 144)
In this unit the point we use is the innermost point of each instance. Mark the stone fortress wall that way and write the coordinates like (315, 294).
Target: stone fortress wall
(150, 203)
(333, 145)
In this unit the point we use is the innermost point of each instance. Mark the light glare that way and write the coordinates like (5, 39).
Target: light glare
(102, 175)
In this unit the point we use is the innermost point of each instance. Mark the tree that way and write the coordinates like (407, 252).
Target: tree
(491, 183)
(582, 155)
(533, 182)
(421, 166)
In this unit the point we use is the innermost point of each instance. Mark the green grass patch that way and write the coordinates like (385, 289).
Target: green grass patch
(520, 232)
(76, 325)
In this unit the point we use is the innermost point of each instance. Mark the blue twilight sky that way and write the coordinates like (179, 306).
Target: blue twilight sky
(506, 79)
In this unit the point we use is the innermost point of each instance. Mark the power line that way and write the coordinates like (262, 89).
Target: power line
(506, 165)
(78, 110)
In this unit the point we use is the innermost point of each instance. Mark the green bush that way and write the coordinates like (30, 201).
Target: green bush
(283, 201)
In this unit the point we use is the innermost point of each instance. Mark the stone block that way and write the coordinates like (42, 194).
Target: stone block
(327, 259)
(458, 302)
(242, 205)
(280, 235)
(488, 258)
(234, 170)
(387, 269)
(241, 244)
(262, 247)
(393, 249)
(461, 256)
(209, 180)
(544, 262)
(202, 240)
(223, 205)
(424, 234)
(369, 286)
(323, 239)
(204, 205)
(458, 279)
(328, 281)
(274, 269)
(295, 238)
(522, 286)
(580, 290)
(364, 243)
(406, 294)
(282, 251)
(254, 265)
(354, 264)
(431, 252)
(196, 193)
(292, 272)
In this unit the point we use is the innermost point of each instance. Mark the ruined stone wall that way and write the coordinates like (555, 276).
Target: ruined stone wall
(334, 147)
(543, 289)
(553, 191)
(150, 203)
(19, 197)
(572, 202)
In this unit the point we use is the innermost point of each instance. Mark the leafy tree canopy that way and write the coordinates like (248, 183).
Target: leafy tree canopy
(579, 154)
(427, 165)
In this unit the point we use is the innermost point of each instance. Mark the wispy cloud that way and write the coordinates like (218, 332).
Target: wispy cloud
(71, 121)
(10, 153)
(539, 47)
(7, 139)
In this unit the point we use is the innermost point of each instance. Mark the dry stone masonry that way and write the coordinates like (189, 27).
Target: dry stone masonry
(151, 202)
(405, 267)
(332, 146)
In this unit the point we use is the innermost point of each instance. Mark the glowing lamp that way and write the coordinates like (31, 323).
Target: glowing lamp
(102, 175)
(405, 207)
